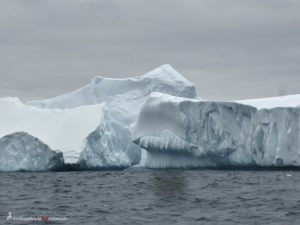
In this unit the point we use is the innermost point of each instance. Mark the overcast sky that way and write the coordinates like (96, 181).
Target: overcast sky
(230, 49)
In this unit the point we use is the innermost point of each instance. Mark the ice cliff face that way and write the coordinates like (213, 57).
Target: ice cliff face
(21, 151)
(109, 146)
(180, 132)
(124, 99)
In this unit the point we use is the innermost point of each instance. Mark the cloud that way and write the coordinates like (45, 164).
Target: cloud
(230, 49)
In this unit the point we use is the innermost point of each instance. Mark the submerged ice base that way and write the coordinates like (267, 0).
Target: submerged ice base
(180, 132)
(157, 159)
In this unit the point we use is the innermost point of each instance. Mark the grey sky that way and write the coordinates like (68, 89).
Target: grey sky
(231, 49)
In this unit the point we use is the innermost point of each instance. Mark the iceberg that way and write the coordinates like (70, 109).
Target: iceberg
(23, 152)
(62, 129)
(123, 97)
(185, 133)
(109, 147)
(110, 144)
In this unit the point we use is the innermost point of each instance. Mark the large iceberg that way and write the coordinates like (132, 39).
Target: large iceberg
(181, 132)
(110, 145)
(64, 130)
(23, 152)
(161, 112)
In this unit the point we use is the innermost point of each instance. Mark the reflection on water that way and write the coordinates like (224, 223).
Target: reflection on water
(161, 197)
(168, 190)
(172, 184)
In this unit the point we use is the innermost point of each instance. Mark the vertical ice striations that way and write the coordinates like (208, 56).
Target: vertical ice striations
(275, 136)
(21, 151)
(180, 132)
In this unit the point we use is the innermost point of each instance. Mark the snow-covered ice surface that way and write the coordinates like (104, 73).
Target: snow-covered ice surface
(181, 132)
(124, 99)
(63, 130)
(21, 151)
(273, 102)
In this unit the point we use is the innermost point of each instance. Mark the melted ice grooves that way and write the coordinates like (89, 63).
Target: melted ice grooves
(219, 133)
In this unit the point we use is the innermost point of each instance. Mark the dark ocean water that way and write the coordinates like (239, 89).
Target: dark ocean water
(153, 197)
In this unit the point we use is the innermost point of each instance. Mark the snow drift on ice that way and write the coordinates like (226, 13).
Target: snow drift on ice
(273, 102)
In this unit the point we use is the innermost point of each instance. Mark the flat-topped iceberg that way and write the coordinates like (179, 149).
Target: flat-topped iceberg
(94, 126)
(181, 132)
(23, 152)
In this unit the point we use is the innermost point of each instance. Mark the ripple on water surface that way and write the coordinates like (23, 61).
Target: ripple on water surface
(154, 197)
